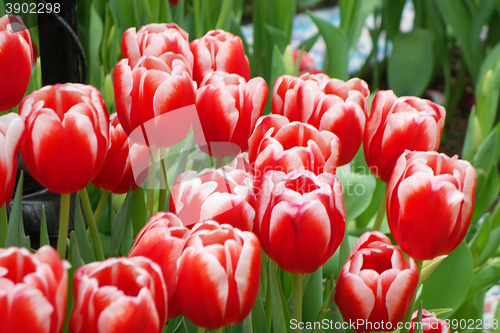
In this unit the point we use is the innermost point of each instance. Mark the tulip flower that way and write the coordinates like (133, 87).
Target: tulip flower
(218, 275)
(307, 63)
(300, 218)
(327, 104)
(119, 295)
(277, 144)
(430, 323)
(396, 124)
(155, 100)
(430, 200)
(67, 133)
(33, 290)
(376, 286)
(156, 40)
(116, 175)
(228, 108)
(224, 195)
(15, 61)
(11, 133)
(220, 51)
(162, 240)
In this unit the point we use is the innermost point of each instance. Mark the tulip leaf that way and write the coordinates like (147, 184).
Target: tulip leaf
(44, 234)
(337, 47)
(258, 315)
(364, 8)
(181, 327)
(138, 211)
(118, 229)
(128, 237)
(96, 29)
(391, 16)
(484, 200)
(308, 43)
(411, 64)
(74, 255)
(448, 285)
(357, 191)
(15, 230)
(491, 245)
(280, 314)
(84, 247)
(313, 296)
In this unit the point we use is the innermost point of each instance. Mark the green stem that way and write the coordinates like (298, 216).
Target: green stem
(219, 330)
(201, 329)
(102, 204)
(162, 200)
(198, 28)
(297, 299)
(3, 224)
(151, 183)
(63, 225)
(409, 312)
(223, 13)
(94, 232)
(381, 211)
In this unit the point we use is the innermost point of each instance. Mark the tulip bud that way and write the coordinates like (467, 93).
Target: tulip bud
(375, 287)
(156, 40)
(430, 200)
(67, 133)
(300, 218)
(162, 240)
(219, 275)
(11, 133)
(228, 108)
(277, 144)
(119, 295)
(430, 323)
(307, 63)
(33, 290)
(219, 51)
(224, 195)
(15, 61)
(155, 100)
(327, 104)
(396, 124)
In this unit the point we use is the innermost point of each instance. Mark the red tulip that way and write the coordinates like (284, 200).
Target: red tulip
(33, 290)
(119, 295)
(430, 323)
(162, 240)
(220, 51)
(15, 61)
(116, 175)
(155, 100)
(277, 144)
(301, 218)
(174, 2)
(156, 40)
(67, 133)
(367, 238)
(219, 275)
(375, 287)
(396, 124)
(327, 104)
(11, 133)
(430, 200)
(224, 195)
(307, 63)
(228, 108)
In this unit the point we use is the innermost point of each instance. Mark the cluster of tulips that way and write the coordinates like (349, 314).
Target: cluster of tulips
(202, 258)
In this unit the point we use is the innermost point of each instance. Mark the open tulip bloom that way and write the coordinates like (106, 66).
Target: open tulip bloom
(271, 241)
